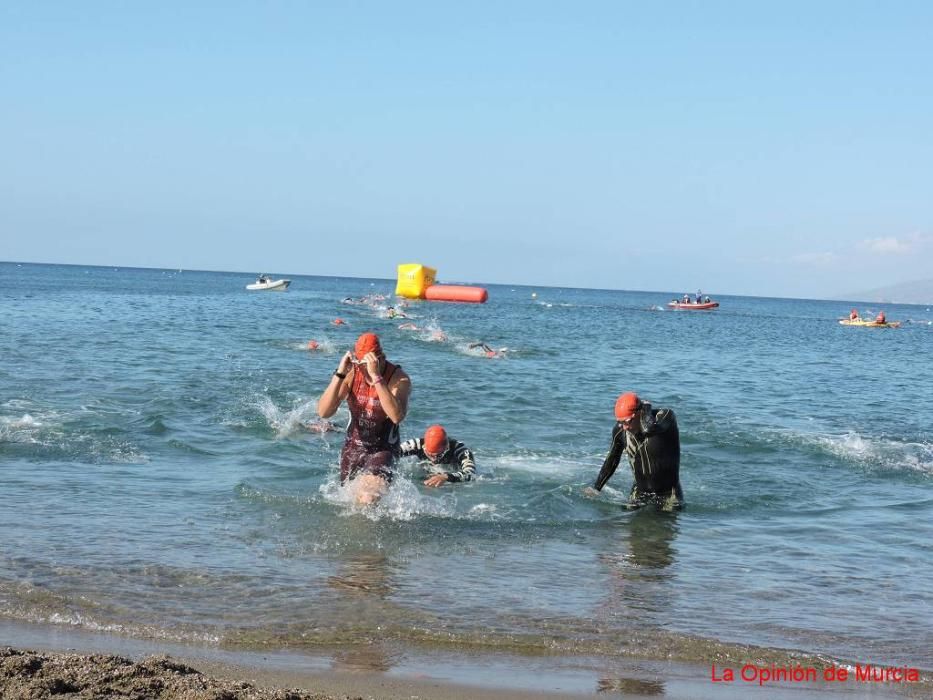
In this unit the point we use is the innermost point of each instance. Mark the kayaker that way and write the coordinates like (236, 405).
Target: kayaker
(377, 394)
(880, 318)
(651, 440)
(853, 315)
(439, 451)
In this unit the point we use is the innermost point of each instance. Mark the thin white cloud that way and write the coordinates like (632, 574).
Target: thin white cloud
(815, 259)
(889, 245)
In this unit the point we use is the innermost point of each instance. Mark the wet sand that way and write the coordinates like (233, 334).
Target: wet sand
(66, 663)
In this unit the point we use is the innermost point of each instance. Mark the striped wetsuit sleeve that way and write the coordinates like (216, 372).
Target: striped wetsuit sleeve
(411, 448)
(462, 457)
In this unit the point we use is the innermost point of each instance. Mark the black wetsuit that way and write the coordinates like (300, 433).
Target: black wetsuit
(653, 450)
(457, 455)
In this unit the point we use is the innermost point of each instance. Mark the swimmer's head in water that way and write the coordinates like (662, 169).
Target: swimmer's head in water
(626, 405)
(367, 343)
(435, 442)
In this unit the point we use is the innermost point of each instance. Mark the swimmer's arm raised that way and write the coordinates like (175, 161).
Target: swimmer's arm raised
(394, 398)
(336, 390)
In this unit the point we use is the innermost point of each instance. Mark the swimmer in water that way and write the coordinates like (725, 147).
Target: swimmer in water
(489, 352)
(440, 453)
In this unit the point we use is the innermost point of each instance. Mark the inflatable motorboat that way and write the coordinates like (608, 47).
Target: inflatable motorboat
(265, 283)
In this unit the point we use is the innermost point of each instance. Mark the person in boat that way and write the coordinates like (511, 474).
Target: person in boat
(447, 460)
(706, 300)
(376, 392)
(853, 315)
(650, 439)
(880, 318)
(686, 299)
(699, 297)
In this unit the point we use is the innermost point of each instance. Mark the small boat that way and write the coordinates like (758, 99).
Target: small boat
(265, 283)
(703, 306)
(870, 323)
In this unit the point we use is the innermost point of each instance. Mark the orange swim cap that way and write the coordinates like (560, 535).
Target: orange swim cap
(338, 321)
(366, 343)
(313, 345)
(626, 405)
(435, 440)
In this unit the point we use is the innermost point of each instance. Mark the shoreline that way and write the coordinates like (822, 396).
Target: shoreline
(196, 673)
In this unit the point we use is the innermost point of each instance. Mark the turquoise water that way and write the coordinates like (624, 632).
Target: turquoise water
(159, 480)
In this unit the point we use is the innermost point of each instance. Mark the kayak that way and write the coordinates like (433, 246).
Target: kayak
(871, 324)
(693, 307)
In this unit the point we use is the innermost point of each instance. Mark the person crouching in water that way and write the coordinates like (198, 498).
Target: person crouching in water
(440, 451)
(651, 440)
(377, 394)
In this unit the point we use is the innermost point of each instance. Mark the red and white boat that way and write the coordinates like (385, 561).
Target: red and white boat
(703, 306)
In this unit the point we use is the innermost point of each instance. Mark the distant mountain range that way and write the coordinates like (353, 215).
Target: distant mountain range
(919, 292)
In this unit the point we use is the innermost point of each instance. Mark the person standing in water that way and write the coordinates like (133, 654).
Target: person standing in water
(376, 392)
(651, 441)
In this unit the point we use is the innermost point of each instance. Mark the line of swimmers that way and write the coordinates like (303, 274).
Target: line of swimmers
(377, 393)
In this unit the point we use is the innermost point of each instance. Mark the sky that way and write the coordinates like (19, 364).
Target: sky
(762, 148)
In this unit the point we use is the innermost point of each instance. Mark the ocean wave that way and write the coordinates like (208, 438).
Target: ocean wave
(53, 436)
(23, 429)
(877, 453)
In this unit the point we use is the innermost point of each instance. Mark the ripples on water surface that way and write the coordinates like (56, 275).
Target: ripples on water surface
(160, 480)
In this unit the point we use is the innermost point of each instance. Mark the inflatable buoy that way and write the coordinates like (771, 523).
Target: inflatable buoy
(413, 280)
(455, 292)
(417, 282)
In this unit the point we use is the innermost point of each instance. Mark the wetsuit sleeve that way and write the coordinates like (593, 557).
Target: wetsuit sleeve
(462, 457)
(612, 459)
(410, 448)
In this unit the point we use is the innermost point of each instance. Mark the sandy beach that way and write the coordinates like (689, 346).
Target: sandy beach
(47, 662)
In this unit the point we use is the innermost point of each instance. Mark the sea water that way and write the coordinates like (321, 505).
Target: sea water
(158, 477)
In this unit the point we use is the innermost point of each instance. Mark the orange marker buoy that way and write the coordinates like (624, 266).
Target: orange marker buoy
(454, 292)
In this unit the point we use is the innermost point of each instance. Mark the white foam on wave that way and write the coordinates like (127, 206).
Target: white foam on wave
(542, 464)
(878, 452)
(402, 502)
(23, 429)
(287, 422)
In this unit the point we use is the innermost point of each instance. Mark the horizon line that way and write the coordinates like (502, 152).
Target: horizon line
(499, 284)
